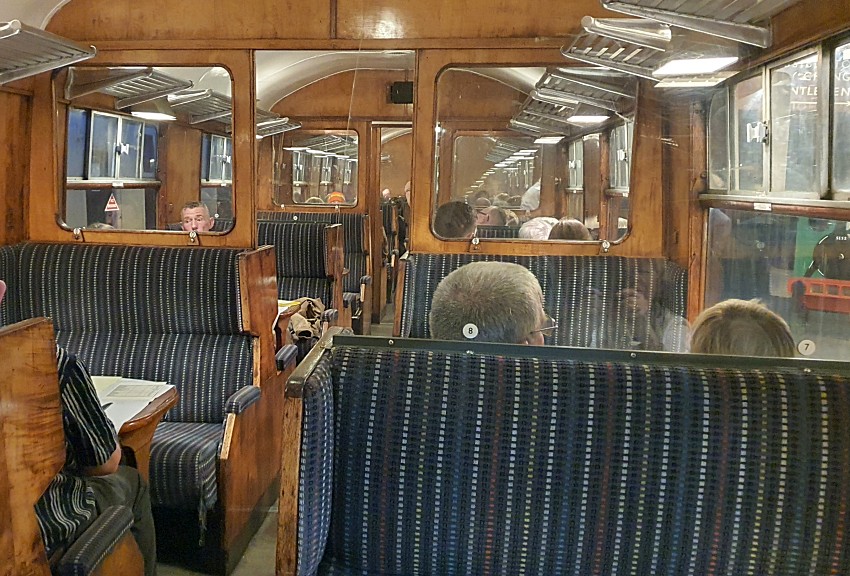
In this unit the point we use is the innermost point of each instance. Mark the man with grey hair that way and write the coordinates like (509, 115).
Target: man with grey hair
(537, 228)
(490, 302)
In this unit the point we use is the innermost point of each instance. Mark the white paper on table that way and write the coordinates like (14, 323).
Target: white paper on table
(123, 398)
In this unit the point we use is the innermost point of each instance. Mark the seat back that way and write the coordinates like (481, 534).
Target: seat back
(164, 314)
(356, 239)
(306, 253)
(496, 460)
(583, 294)
(497, 231)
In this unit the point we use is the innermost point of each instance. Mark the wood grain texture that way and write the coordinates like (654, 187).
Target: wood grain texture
(258, 290)
(33, 445)
(185, 20)
(287, 525)
(15, 112)
(181, 171)
(363, 94)
(449, 19)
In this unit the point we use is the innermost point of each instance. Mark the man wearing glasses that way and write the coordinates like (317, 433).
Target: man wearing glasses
(490, 302)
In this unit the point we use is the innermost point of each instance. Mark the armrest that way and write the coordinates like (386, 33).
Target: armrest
(331, 315)
(286, 356)
(242, 399)
(367, 280)
(90, 549)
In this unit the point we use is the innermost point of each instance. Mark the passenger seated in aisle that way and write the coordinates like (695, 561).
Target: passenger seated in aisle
(455, 220)
(537, 228)
(491, 216)
(195, 217)
(569, 229)
(92, 479)
(490, 302)
(742, 328)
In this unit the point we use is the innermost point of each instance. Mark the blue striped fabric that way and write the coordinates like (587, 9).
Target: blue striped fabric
(9, 307)
(497, 231)
(580, 292)
(352, 224)
(206, 369)
(242, 399)
(299, 246)
(183, 465)
(292, 288)
(316, 474)
(457, 463)
(131, 289)
(96, 543)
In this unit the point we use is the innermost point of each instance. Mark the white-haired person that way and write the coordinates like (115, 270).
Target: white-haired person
(537, 228)
(490, 302)
(742, 328)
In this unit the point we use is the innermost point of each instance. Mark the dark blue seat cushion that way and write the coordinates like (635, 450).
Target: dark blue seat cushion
(183, 465)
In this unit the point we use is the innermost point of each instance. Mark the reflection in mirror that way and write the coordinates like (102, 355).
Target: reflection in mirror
(316, 167)
(520, 144)
(147, 148)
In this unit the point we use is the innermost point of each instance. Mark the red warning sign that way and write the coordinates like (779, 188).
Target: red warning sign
(111, 204)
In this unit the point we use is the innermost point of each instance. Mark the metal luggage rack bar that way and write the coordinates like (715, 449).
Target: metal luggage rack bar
(26, 51)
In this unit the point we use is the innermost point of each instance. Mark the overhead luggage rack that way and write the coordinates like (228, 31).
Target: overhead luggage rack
(270, 127)
(130, 86)
(203, 106)
(731, 19)
(26, 51)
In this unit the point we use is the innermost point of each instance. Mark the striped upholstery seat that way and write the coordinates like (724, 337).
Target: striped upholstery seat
(354, 226)
(497, 232)
(580, 292)
(446, 462)
(165, 314)
(300, 252)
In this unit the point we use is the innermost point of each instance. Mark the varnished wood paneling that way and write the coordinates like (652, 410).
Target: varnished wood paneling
(265, 174)
(32, 445)
(46, 175)
(181, 171)
(358, 19)
(14, 164)
(258, 287)
(464, 95)
(363, 94)
(93, 20)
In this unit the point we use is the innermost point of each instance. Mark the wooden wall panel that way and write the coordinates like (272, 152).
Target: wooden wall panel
(450, 19)
(14, 164)
(363, 94)
(94, 20)
(181, 174)
(463, 95)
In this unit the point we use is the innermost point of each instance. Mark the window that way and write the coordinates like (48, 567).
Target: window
(776, 141)
(841, 121)
(794, 264)
(619, 156)
(217, 158)
(111, 171)
(576, 165)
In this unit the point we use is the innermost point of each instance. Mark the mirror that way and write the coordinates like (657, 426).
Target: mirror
(141, 143)
(550, 146)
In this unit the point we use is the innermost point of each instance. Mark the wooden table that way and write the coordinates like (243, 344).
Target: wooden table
(136, 434)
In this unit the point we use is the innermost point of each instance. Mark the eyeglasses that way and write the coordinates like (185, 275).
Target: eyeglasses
(548, 327)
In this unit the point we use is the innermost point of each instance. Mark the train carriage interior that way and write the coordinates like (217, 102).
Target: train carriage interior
(246, 200)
